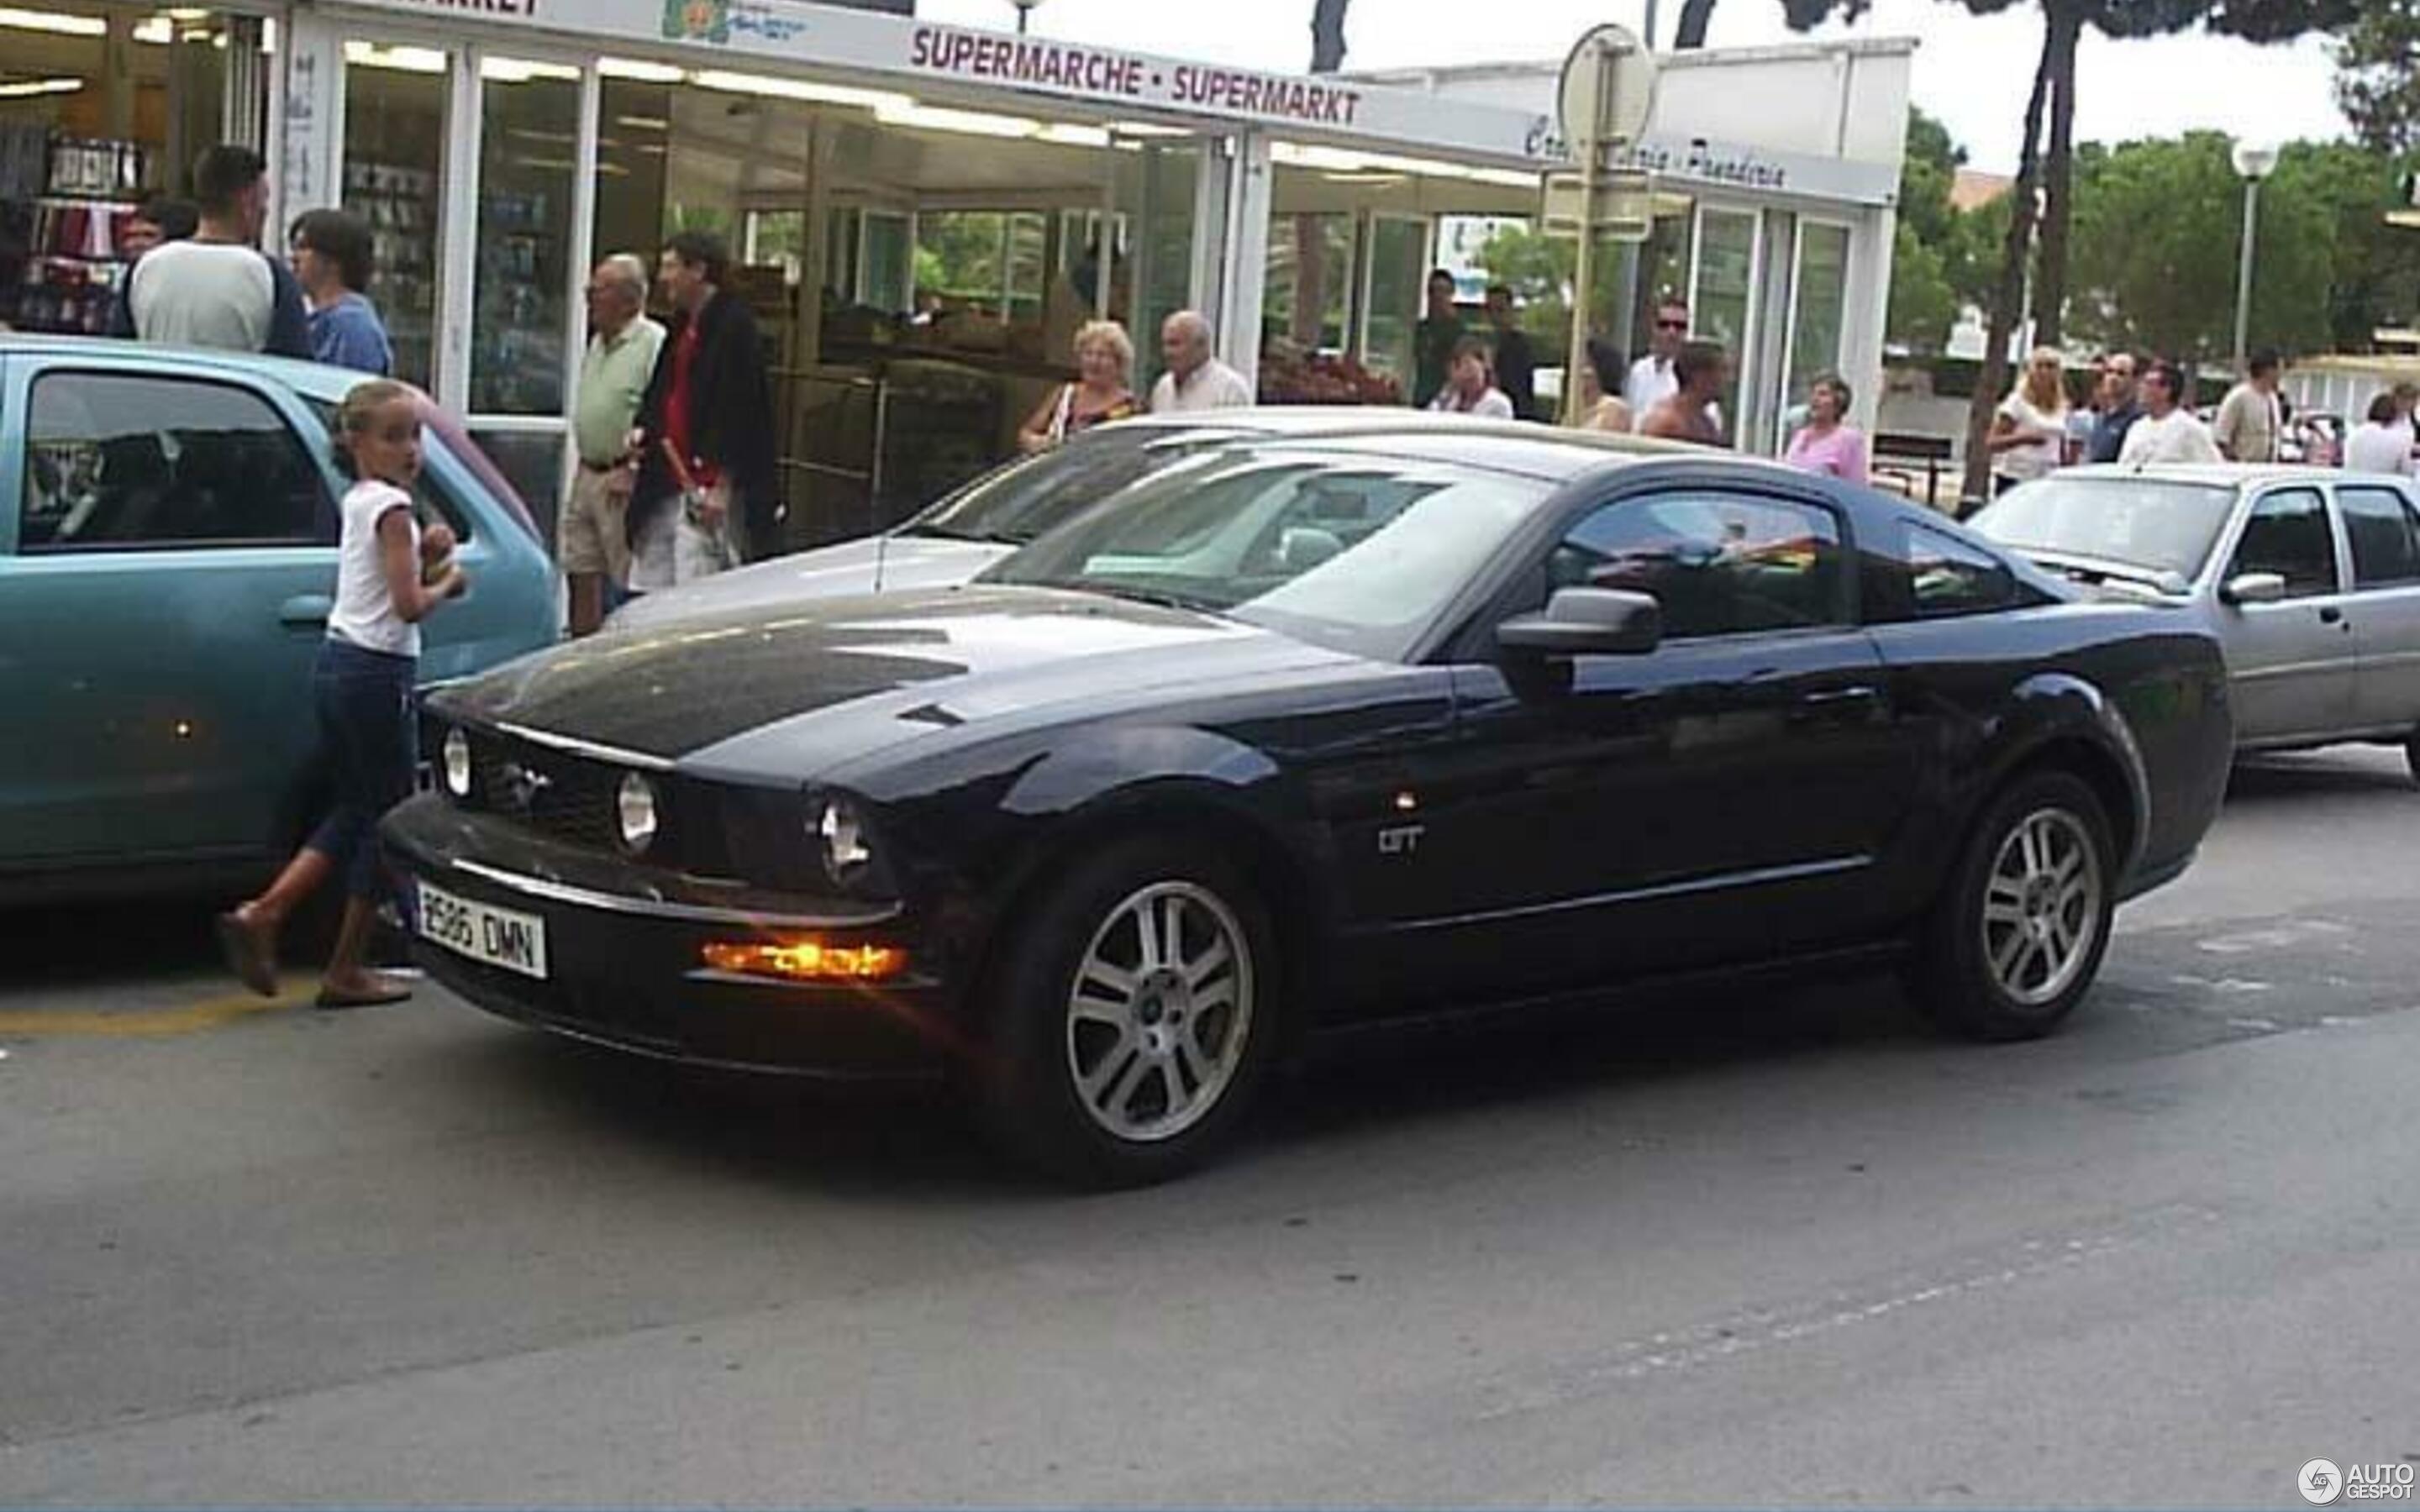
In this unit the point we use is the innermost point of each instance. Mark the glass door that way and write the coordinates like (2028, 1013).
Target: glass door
(1723, 297)
(1818, 305)
(396, 121)
(1397, 285)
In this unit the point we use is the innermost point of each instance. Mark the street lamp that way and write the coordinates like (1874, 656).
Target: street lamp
(2252, 163)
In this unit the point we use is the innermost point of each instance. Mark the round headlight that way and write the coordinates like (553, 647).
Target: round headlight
(634, 812)
(457, 754)
(846, 850)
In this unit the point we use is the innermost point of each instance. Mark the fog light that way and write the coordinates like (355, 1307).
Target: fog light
(804, 960)
(457, 753)
(634, 812)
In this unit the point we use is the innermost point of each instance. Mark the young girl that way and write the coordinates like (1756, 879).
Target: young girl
(390, 575)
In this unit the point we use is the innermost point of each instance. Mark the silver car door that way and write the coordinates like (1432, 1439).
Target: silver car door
(2291, 662)
(2381, 522)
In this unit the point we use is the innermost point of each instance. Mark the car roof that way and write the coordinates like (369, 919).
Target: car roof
(2213, 474)
(313, 379)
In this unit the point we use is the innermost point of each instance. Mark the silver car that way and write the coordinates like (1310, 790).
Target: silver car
(2311, 578)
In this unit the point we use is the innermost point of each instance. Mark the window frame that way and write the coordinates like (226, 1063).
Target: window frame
(2410, 512)
(325, 515)
(2231, 562)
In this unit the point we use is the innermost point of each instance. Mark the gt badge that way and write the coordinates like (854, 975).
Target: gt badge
(1400, 839)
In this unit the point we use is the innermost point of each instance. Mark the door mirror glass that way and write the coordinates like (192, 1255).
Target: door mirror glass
(1588, 622)
(2253, 588)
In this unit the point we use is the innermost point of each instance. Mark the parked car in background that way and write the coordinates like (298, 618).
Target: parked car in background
(1308, 733)
(958, 536)
(2310, 579)
(167, 561)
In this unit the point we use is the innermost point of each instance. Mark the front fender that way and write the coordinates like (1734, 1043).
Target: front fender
(2061, 709)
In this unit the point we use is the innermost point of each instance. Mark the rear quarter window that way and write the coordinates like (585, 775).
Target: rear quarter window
(1912, 571)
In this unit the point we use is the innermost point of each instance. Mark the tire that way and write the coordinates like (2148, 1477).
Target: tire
(1104, 1073)
(2017, 940)
(2411, 755)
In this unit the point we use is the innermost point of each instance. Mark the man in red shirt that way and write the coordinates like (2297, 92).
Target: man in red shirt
(706, 497)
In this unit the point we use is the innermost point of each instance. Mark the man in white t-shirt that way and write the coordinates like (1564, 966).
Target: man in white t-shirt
(217, 289)
(2167, 432)
(1195, 380)
(1653, 377)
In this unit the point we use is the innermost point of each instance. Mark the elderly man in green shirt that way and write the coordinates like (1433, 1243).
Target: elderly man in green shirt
(613, 374)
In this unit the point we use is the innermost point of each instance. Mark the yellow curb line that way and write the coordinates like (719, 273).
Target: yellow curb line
(157, 1024)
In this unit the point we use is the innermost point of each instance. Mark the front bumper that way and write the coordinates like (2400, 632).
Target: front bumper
(623, 965)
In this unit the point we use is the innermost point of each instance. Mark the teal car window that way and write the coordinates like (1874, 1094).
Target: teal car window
(1719, 564)
(123, 461)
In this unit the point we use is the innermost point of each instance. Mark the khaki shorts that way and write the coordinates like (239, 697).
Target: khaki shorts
(588, 533)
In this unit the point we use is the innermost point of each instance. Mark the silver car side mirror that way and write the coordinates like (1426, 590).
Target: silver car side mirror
(2253, 588)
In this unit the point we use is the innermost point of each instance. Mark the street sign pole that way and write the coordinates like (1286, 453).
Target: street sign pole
(1590, 148)
(1608, 90)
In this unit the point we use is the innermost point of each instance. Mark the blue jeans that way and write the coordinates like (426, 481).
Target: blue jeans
(371, 746)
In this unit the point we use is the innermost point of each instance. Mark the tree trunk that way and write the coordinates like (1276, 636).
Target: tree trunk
(2058, 178)
(1327, 35)
(2008, 295)
(1695, 16)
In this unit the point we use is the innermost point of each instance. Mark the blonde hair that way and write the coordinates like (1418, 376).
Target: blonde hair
(2048, 395)
(1107, 334)
(361, 405)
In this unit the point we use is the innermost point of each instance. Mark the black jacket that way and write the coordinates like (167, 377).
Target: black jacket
(730, 420)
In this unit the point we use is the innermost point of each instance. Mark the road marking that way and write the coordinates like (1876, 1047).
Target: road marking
(2277, 938)
(192, 1018)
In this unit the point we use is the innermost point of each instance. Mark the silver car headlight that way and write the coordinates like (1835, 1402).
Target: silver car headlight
(846, 850)
(634, 812)
(456, 760)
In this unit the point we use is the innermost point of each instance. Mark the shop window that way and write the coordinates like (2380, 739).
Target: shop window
(394, 166)
(777, 237)
(1397, 278)
(1306, 300)
(1725, 286)
(633, 126)
(117, 462)
(886, 258)
(981, 264)
(1819, 307)
(529, 143)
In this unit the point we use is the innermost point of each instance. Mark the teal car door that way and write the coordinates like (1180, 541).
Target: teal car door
(168, 554)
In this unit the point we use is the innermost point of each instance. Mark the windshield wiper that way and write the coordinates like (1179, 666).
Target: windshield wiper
(1159, 597)
(2094, 569)
(939, 533)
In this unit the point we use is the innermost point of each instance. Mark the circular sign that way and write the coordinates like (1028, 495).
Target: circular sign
(1608, 87)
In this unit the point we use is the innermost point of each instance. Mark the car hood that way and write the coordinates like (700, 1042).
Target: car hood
(790, 691)
(877, 563)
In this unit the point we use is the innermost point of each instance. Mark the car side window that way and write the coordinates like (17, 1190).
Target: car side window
(2287, 534)
(1718, 564)
(1945, 576)
(2384, 527)
(123, 461)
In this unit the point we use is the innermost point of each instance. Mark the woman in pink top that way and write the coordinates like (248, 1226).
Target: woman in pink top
(1829, 443)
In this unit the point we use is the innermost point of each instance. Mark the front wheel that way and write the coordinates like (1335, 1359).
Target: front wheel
(2015, 943)
(1134, 1016)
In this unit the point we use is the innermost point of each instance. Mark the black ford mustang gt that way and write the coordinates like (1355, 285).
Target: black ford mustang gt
(1299, 731)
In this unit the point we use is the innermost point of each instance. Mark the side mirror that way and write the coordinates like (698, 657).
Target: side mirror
(1588, 622)
(2253, 588)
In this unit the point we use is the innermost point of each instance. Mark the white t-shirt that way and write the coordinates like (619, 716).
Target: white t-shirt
(2376, 448)
(1212, 386)
(2030, 461)
(1651, 378)
(365, 614)
(2177, 437)
(1491, 405)
(204, 294)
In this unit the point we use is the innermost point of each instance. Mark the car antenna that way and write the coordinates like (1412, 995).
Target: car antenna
(881, 549)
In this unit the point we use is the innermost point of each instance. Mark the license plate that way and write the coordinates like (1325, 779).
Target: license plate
(494, 936)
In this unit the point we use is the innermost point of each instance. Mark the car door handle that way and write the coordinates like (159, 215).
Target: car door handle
(1857, 700)
(2330, 614)
(306, 610)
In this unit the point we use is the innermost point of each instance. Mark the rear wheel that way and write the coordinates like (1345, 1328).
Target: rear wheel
(2015, 943)
(1135, 1016)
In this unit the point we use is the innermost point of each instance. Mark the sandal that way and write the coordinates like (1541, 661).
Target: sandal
(377, 997)
(247, 955)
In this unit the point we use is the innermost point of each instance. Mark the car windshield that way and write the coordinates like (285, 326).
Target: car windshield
(1347, 550)
(1012, 504)
(2158, 525)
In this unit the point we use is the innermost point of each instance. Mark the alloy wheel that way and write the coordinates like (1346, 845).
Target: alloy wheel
(1160, 1012)
(2041, 908)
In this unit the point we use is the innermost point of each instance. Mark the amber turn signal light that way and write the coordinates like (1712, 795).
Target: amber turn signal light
(804, 960)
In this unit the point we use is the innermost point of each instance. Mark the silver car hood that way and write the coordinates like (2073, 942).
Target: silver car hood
(827, 572)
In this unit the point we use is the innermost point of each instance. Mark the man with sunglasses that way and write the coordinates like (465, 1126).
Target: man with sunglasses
(1655, 377)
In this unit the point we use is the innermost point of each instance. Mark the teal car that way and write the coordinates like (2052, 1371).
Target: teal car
(167, 561)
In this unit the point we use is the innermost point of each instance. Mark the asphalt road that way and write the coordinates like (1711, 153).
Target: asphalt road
(1786, 1249)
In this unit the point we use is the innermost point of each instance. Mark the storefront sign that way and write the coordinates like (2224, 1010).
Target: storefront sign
(1699, 161)
(847, 39)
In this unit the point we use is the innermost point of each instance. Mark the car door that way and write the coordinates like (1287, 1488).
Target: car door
(2382, 523)
(168, 561)
(2290, 663)
(1708, 803)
